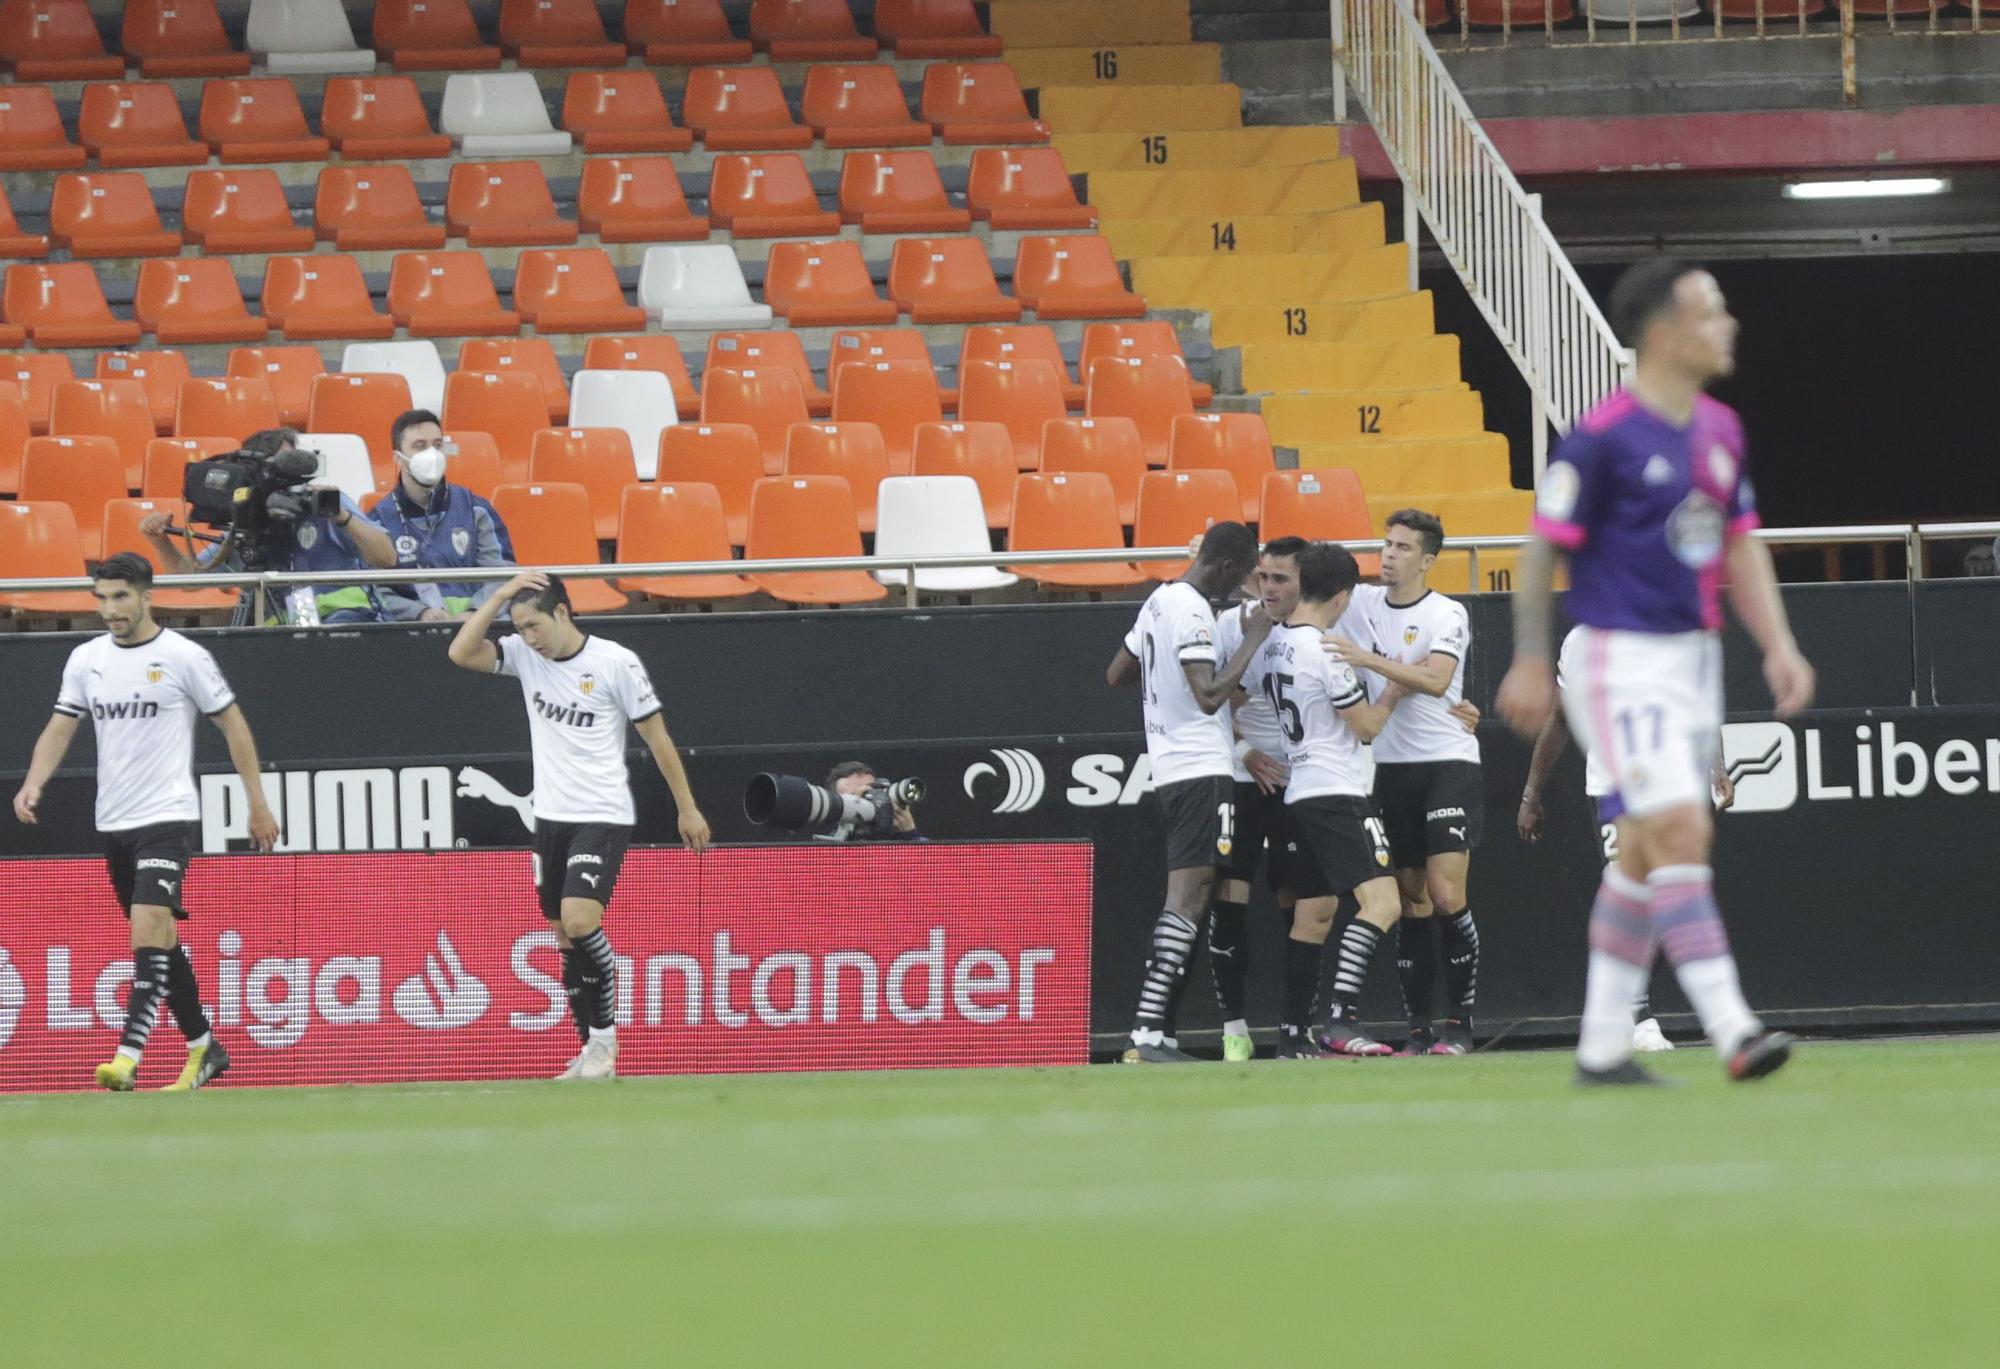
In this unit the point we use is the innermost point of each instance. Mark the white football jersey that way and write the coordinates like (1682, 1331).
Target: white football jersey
(1569, 662)
(1421, 728)
(578, 709)
(1177, 626)
(1256, 721)
(1307, 689)
(143, 701)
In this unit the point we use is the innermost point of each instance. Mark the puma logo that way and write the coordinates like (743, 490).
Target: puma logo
(1458, 832)
(477, 784)
(591, 880)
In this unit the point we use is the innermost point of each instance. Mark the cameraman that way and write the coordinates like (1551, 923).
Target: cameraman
(346, 541)
(435, 525)
(854, 779)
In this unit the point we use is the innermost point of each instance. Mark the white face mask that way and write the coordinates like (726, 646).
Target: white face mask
(427, 467)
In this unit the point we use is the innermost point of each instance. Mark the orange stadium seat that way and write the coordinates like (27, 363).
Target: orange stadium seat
(740, 109)
(1152, 391)
(179, 38)
(1323, 505)
(431, 35)
(821, 284)
(897, 192)
(120, 532)
(852, 451)
(676, 522)
(12, 335)
(1024, 187)
(979, 102)
(621, 111)
(755, 351)
(727, 456)
(475, 462)
(636, 199)
(82, 472)
(36, 375)
(367, 404)
(947, 280)
(167, 458)
(682, 33)
(160, 371)
(226, 212)
(599, 459)
(212, 406)
(108, 214)
(1524, 13)
(379, 118)
(14, 434)
(1155, 337)
(766, 195)
(1069, 511)
(860, 106)
(1789, 12)
(1177, 506)
(258, 121)
(1074, 277)
(136, 123)
(509, 405)
(1022, 394)
(1019, 342)
(194, 299)
(923, 29)
(289, 371)
(798, 516)
(766, 398)
(1110, 446)
(61, 305)
(447, 294)
(984, 452)
(896, 396)
(504, 204)
(551, 525)
(808, 31)
(321, 297)
(533, 355)
(883, 344)
(32, 136)
(54, 40)
(38, 541)
(372, 208)
(557, 33)
(573, 291)
(654, 352)
(1237, 443)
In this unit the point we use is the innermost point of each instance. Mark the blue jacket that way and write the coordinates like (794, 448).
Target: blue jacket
(318, 545)
(456, 529)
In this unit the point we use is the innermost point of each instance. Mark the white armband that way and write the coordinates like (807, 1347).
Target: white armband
(1243, 749)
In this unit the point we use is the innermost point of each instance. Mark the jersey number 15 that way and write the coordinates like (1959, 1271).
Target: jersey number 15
(1287, 709)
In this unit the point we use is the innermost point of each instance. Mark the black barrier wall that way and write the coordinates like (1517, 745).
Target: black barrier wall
(1845, 907)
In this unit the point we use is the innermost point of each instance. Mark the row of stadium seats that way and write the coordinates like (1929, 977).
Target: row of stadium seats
(1493, 14)
(140, 123)
(116, 214)
(59, 40)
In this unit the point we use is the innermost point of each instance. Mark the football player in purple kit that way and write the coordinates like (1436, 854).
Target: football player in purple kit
(1649, 501)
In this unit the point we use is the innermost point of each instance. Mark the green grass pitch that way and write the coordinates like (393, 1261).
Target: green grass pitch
(1398, 1213)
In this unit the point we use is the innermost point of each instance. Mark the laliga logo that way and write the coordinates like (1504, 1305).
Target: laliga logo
(1025, 779)
(445, 995)
(13, 997)
(1763, 764)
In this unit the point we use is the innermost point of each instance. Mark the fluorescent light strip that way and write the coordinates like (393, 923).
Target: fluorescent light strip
(1867, 190)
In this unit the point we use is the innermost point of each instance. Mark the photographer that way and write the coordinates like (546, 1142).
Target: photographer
(854, 779)
(852, 805)
(435, 525)
(347, 540)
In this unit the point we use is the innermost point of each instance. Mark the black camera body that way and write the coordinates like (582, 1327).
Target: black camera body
(257, 497)
(799, 805)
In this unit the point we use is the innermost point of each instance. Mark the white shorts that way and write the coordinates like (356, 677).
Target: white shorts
(1647, 707)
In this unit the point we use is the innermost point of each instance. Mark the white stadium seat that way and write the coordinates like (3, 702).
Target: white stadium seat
(639, 403)
(935, 515)
(296, 36)
(500, 114)
(416, 362)
(343, 464)
(698, 286)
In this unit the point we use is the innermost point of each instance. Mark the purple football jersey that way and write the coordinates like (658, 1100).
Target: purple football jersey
(1646, 509)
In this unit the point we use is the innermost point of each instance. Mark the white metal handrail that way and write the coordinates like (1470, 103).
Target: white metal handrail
(1489, 228)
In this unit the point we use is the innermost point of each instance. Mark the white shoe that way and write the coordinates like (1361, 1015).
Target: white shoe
(599, 1059)
(570, 1070)
(1648, 1037)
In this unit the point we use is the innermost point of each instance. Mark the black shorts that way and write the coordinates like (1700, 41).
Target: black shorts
(1341, 845)
(1263, 832)
(1430, 808)
(1201, 821)
(577, 860)
(149, 864)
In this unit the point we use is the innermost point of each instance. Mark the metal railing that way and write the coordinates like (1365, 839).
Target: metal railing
(1489, 228)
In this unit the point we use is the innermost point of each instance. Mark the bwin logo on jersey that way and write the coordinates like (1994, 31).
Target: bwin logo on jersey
(1763, 763)
(445, 995)
(1025, 779)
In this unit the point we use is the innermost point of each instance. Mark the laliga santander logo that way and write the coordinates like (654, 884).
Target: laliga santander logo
(13, 997)
(445, 995)
(1026, 781)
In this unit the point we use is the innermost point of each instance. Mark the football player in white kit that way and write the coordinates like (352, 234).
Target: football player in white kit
(142, 685)
(580, 691)
(1170, 652)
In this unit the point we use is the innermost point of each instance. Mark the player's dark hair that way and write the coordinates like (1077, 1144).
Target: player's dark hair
(547, 599)
(271, 441)
(1293, 547)
(846, 769)
(1228, 542)
(129, 566)
(1642, 294)
(405, 422)
(1325, 569)
(1427, 526)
